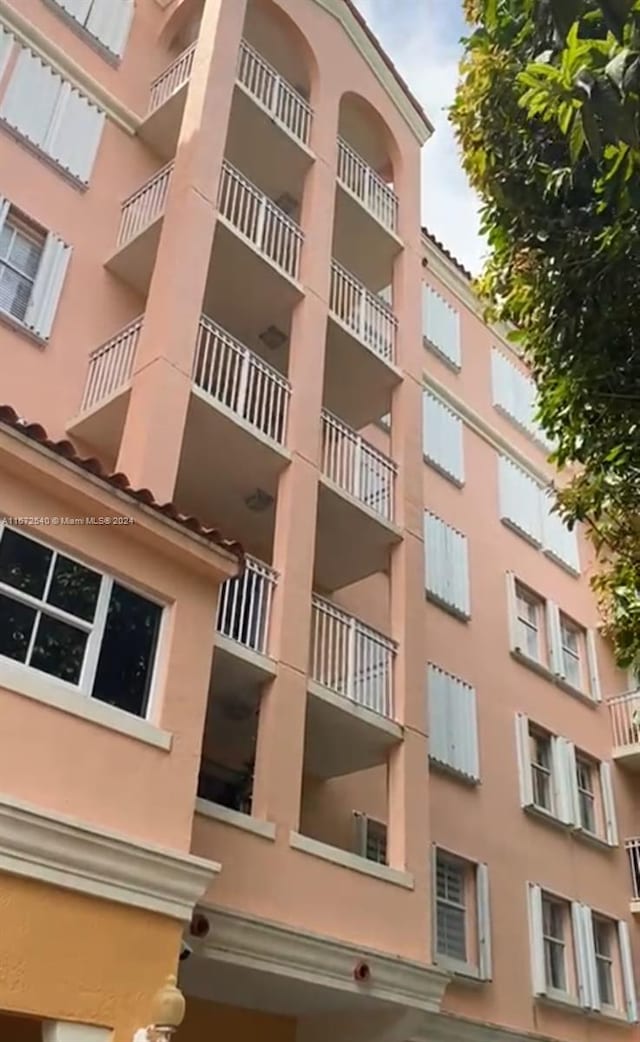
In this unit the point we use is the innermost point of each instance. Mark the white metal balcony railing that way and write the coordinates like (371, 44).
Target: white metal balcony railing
(357, 467)
(171, 79)
(283, 103)
(256, 218)
(145, 205)
(244, 608)
(368, 187)
(624, 712)
(364, 313)
(231, 374)
(351, 659)
(111, 365)
(633, 853)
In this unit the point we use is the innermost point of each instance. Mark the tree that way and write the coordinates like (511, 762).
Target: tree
(547, 114)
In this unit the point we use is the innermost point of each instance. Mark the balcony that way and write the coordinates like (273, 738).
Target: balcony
(139, 232)
(356, 498)
(633, 853)
(237, 401)
(366, 220)
(624, 713)
(350, 714)
(361, 350)
(161, 127)
(241, 662)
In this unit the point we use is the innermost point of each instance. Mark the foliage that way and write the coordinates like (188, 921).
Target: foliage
(547, 114)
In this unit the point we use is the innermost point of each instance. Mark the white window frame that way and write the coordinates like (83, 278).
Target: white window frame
(370, 831)
(554, 941)
(586, 792)
(95, 629)
(459, 908)
(20, 226)
(479, 967)
(572, 665)
(526, 625)
(542, 770)
(605, 959)
(80, 25)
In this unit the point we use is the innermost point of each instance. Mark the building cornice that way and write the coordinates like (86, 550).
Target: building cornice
(275, 948)
(30, 36)
(446, 1028)
(49, 848)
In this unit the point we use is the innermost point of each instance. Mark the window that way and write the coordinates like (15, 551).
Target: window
(514, 395)
(461, 890)
(553, 918)
(32, 271)
(447, 566)
(441, 327)
(526, 508)
(107, 21)
(442, 437)
(451, 908)
(580, 955)
(371, 838)
(530, 611)
(541, 770)
(64, 125)
(574, 788)
(586, 794)
(603, 942)
(570, 639)
(453, 725)
(59, 617)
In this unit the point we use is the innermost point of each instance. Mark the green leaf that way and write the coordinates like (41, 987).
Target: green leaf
(565, 13)
(615, 14)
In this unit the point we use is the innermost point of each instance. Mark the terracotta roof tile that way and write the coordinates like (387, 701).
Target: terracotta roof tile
(443, 249)
(119, 481)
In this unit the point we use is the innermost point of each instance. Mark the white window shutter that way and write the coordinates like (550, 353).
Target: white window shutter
(446, 565)
(426, 297)
(453, 724)
(47, 286)
(360, 833)
(628, 977)
(461, 572)
(438, 716)
(31, 97)
(562, 784)
(524, 760)
(512, 610)
(554, 639)
(441, 325)
(581, 949)
(519, 500)
(442, 433)
(484, 922)
(592, 663)
(4, 210)
(78, 9)
(76, 137)
(6, 43)
(573, 802)
(536, 940)
(608, 804)
(471, 732)
(109, 21)
(559, 542)
(590, 956)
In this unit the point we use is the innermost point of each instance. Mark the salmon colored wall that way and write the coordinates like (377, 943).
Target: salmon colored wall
(69, 957)
(210, 1020)
(80, 768)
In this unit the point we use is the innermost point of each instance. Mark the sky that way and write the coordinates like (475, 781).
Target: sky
(422, 37)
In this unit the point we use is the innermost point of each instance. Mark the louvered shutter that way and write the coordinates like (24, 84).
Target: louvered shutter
(442, 326)
(6, 43)
(442, 437)
(571, 782)
(554, 641)
(512, 609)
(559, 542)
(524, 760)
(519, 500)
(76, 137)
(628, 976)
(536, 940)
(581, 945)
(78, 9)
(484, 922)
(590, 957)
(563, 801)
(109, 21)
(608, 804)
(460, 571)
(47, 286)
(4, 210)
(31, 97)
(592, 664)
(438, 716)
(472, 750)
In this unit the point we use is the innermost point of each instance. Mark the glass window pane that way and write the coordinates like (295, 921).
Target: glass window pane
(25, 255)
(24, 564)
(128, 650)
(59, 649)
(451, 934)
(16, 624)
(74, 588)
(6, 234)
(15, 292)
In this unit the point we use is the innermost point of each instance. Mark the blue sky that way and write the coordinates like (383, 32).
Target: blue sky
(422, 38)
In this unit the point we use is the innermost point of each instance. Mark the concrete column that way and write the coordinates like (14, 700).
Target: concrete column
(280, 744)
(152, 437)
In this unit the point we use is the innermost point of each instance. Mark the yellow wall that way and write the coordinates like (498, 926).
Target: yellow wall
(68, 957)
(210, 1022)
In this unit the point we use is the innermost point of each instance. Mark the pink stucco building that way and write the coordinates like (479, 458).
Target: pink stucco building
(376, 780)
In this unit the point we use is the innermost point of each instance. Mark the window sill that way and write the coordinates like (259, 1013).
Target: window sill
(19, 327)
(544, 671)
(562, 999)
(446, 474)
(466, 971)
(22, 680)
(592, 838)
(569, 568)
(455, 367)
(453, 772)
(246, 822)
(83, 33)
(71, 179)
(542, 814)
(348, 860)
(451, 609)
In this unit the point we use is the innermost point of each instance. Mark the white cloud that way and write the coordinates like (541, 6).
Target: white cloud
(422, 41)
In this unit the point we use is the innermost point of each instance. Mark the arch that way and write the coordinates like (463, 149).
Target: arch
(277, 38)
(367, 133)
(182, 24)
